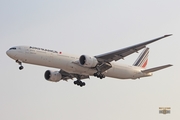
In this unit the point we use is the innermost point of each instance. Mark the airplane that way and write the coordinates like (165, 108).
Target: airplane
(164, 110)
(83, 66)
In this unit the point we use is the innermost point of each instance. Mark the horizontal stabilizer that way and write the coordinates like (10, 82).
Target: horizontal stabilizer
(156, 68)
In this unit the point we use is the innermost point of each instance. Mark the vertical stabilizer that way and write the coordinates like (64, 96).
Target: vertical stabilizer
(142, 60)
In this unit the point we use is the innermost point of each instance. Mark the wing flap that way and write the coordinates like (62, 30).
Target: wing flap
(156, 68)
(67, 75)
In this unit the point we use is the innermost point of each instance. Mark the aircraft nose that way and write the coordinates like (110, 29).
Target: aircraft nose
(8, 52)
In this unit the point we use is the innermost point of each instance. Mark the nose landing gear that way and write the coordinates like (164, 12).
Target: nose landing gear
(20, 63)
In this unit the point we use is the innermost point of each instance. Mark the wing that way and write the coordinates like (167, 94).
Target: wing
(121, 53)
(66, 75)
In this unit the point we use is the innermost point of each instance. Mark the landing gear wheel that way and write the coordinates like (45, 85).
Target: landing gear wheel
(99, 75)
(75, 82)
(83, 83)
(79, 83)
(95, 74)
(21, 67)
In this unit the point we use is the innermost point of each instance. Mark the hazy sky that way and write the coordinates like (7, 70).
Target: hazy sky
(89, 27)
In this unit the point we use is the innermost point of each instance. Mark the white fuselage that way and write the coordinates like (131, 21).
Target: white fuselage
(68, 63)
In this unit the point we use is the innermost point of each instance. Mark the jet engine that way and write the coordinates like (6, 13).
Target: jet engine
(88, 61)
(53, 76)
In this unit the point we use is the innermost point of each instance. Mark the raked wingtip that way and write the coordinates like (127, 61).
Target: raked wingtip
(168, 35)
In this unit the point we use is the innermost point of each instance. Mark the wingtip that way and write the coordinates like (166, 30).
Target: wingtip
(170, 65)
(168, 35)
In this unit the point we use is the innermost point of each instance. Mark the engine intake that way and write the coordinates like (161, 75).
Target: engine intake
(88, 61)
(53, 76)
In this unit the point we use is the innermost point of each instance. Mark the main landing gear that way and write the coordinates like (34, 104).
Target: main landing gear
(99, 75)
(79, 83)
(20, 63)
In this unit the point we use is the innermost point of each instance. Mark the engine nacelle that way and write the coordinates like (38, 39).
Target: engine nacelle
(53, 76)
(88, 61)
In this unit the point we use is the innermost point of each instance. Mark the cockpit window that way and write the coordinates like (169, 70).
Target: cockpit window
(13, 48)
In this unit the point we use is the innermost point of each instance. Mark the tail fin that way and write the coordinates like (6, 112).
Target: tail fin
(142, 60)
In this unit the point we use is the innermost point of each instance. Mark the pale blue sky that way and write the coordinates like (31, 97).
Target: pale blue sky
(91, 28)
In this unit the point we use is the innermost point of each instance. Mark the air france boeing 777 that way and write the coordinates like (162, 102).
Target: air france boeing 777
(83, 66)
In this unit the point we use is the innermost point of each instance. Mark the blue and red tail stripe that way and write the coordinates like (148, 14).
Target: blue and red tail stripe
(142, 60)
